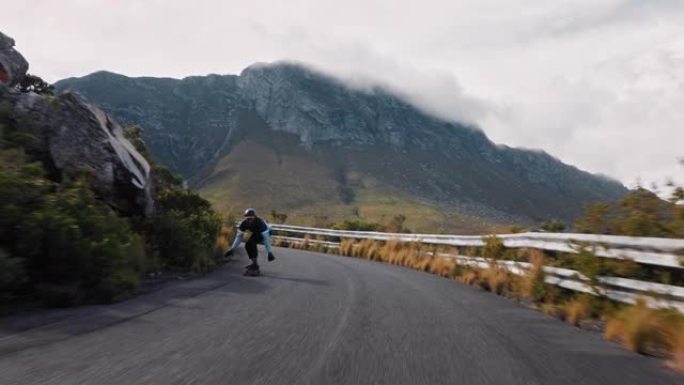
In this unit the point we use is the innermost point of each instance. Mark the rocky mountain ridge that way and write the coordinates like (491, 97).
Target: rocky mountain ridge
(193, 123)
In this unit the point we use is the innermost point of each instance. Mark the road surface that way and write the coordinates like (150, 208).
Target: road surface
(314, 319)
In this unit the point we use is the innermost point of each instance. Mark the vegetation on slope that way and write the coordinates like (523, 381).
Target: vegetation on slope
(639, 213)
(62, 245)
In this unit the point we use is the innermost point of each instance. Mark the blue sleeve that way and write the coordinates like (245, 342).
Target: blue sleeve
(238, 239)
(266, 235)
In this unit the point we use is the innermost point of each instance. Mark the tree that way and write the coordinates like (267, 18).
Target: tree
(32, 83)
(552, 226)
(642, 213)
(596, 219)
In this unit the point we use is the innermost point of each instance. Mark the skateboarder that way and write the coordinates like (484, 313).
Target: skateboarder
(260, 234)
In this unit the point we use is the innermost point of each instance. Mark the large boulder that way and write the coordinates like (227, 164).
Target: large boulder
(74, 136)
(13, 66)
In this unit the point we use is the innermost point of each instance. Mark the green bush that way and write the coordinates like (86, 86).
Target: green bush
(74, 247)
(12, 276)
(494, 248)
(60, 244)
(76, 242)
(639, 213)
(185, 230)
(552, 226)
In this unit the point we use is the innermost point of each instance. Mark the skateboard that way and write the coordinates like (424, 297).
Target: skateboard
(252, 273)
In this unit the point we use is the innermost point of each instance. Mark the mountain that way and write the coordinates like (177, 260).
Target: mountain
(284, 137)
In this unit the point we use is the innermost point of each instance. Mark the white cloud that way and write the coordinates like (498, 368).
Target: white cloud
(598, 83)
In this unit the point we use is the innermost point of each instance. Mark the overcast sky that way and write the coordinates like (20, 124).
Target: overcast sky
(596, 83)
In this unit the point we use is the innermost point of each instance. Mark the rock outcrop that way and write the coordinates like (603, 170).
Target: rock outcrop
(13, 66)
(72, 135)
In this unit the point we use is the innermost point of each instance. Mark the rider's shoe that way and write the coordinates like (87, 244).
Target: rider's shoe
(252, 266)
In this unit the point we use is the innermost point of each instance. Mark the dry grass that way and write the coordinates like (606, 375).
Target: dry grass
(495, 279)
(224, 239)
(532, 285)
(347, 247)
(398, 253)
(642, 329)
(548, 308)
(442, 267)
(470, 277)
(576, 309)
(676, 336)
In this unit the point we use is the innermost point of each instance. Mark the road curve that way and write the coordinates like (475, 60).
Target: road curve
(315, 319)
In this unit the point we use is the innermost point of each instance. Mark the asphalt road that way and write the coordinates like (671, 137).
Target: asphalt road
(314, 319)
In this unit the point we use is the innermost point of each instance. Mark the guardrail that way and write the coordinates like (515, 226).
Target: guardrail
(650, 251)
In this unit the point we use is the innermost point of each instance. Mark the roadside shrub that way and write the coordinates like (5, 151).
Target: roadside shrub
(576, 309)
(347, 247)
(636, 327)
(61, 244)
(533, 286)
(12, 276)
(68, 241)
(470, 277)
(442, 267)
(552, 226)
(185, 230)
(675, 336)
(639, 213)
(643, 329)
(495, 279)
(494, 248)
(75, 243)
(225, 237)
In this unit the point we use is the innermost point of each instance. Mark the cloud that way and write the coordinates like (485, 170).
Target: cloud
(361, 65)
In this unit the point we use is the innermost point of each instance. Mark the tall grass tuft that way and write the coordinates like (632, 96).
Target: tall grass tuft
(347, 247)
(576, 309)
(224, 238)
(643, 329)
(442, 267)
(495, 279)
(532, 285)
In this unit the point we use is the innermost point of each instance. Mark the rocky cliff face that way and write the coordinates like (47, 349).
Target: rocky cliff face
(194, 124)
(71, 135)
(13, 66)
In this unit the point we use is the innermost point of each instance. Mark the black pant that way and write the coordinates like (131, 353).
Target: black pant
(251, 246)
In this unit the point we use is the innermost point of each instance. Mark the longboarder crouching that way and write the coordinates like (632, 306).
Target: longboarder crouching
(260, 233)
